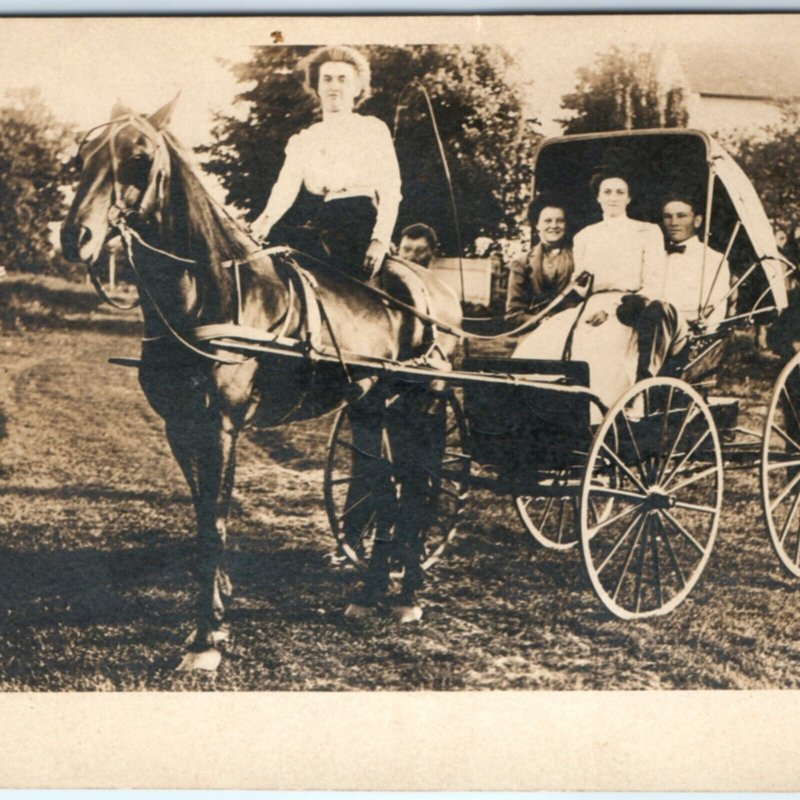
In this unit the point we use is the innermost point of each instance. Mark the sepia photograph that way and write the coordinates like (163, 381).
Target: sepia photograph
(427, 355)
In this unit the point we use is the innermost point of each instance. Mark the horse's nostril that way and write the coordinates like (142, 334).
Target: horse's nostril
(85, 236)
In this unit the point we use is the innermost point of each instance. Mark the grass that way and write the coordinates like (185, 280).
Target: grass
(96, 533)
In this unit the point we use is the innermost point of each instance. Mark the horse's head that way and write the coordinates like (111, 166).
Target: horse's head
(124, 167)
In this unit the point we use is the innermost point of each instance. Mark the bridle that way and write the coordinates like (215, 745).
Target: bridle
(121, 213)
(151, 195)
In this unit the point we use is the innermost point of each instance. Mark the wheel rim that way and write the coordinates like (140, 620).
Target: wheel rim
(780, 467)
(657, 454)
(552, 520)
(446, 486)
(552, 516)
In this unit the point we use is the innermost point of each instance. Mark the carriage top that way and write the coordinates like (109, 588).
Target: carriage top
(656, 160)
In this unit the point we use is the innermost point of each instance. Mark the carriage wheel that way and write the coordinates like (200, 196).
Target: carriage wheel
(447, 480)
(551, 520)
(780, 467)
(657, 455)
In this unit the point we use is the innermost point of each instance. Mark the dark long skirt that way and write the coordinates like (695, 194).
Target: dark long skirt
(337, 232)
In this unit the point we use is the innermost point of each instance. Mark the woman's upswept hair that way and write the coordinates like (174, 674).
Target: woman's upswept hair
(606, 174)
(349, 55)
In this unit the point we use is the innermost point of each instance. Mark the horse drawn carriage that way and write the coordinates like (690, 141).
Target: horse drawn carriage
(634, 481)
(233, 333)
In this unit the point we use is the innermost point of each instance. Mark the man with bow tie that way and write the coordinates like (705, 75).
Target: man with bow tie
(698, 290)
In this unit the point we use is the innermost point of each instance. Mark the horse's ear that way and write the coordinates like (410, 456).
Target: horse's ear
(119, 110)
(164, 114)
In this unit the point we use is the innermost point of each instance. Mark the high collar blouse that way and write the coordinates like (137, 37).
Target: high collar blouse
(349, 155)
(623, 254)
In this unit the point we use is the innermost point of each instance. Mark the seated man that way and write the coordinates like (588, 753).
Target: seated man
(418, 244)
(696, 287)
(686, 274)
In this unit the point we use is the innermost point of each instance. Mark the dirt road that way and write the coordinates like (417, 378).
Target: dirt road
(95, 551)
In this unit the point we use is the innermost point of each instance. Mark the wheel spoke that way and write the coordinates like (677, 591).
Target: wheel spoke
(695, 507)
(662, 436)
(546, 512)
(605, 523)
(629, 556)
(640, 565)
(678, 437)
(785, 436)
(355, 505)
(625, 469)
(618, 544)
(686, 456)
(790, 518)
(636, 450)
(621, 493)
(656, 566)
(697, 477)
(560, 521)
(670, 552)
(678, 527)
(786, 489)
(791, 405)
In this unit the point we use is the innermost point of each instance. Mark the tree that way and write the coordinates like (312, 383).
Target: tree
(771, 160)
(623, 90)
(487, 141)
(32, 144)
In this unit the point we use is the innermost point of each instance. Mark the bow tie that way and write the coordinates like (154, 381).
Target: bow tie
(552, 249)
(675, 248)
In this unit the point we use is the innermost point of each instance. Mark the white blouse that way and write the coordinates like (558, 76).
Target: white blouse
(623, 254)
(351, 155)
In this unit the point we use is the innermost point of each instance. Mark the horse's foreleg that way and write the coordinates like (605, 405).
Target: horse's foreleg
(215, 472)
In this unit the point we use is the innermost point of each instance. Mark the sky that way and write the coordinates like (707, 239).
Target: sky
(83, 65)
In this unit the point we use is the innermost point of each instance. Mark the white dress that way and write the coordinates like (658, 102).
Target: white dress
(625, 256)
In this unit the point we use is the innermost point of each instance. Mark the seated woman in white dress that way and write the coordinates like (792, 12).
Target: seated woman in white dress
(347, 167)
(623, 330)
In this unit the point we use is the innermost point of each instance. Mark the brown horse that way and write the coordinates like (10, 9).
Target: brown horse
(135, 178)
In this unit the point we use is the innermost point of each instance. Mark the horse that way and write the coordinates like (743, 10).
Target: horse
(195, 267)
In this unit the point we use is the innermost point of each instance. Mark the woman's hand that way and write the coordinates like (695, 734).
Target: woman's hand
(373, 260)
(260, 228)
(598, 318)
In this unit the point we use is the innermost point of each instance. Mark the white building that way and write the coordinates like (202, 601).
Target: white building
(729, 90)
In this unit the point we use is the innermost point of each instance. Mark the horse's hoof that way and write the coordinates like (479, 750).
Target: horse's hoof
(207, 660)
(403, 614)
(212, 638)
(359, 611)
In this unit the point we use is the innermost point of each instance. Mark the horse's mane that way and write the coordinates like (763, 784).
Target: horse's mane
(211, 238)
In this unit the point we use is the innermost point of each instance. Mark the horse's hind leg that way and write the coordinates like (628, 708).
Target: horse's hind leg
(215, 471)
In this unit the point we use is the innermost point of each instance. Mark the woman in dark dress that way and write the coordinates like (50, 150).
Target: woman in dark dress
(542, 273)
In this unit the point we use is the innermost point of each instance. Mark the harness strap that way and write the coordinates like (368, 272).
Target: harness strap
(126, 238)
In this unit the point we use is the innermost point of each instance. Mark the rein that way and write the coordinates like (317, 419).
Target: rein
(120, 213)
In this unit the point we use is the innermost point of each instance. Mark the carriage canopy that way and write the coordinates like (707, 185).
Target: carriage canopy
(656, 162)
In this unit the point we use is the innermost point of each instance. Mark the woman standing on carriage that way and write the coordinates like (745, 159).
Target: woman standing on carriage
(346, 167)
